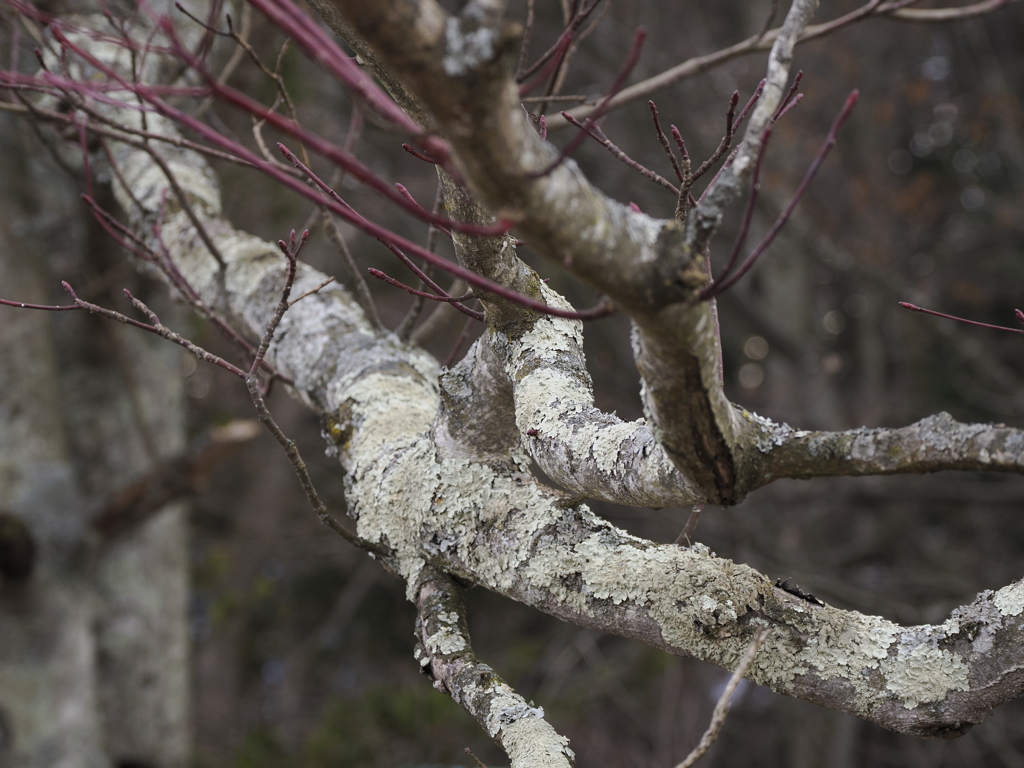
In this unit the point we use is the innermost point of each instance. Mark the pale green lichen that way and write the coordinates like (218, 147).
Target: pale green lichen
(843, 645)
(924, 674)
(554, 403)
(446, 641)
(523, 733)
(770, 434)
(1010, 599)
(530, 741)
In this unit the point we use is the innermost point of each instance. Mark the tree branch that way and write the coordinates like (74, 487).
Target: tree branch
(445, 654)
(933, 444)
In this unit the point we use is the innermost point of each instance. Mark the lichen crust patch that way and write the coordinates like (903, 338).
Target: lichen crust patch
(1010, 599)
(924, 674)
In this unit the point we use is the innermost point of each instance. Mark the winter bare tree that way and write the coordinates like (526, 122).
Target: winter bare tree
(473, 473)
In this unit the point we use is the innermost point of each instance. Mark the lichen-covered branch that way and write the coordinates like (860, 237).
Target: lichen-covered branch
(587, 452)
(933, 444)
(458, 68)
(590, 454)
(445, 654)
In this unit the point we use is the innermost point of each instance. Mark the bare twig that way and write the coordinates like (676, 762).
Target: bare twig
(691, 525)
(598, 135)
(236, 55)
(398, 246)
(722, 707)
(620, 79)
(252, 383)
(524, 46)
(316, 289)
(915, 308)
(423, 294)
(404, 328)
(439, 318)
(664, 141)
(726, 281)
(337, 239)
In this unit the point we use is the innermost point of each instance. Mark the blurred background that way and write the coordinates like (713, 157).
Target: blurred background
(302, 646)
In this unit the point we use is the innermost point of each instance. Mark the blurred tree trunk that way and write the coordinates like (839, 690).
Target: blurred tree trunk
(94, 640)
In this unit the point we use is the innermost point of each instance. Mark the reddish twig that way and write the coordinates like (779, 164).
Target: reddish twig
(664, 142)
(154, 326)
(789, 95)
(524, 46)
(727, 281)
(151, 96)
(1017, 313)
(418, 155)
(241, 101)
(598, 135)
(685, 200)
(399, 245)
(580, 137)
(726, 142)
(404, 329)
(322, 48)
(409, 289)
(404, 191)
(690, 527)
(291, 254)
(751, 102)
(732, 156)
(748, 213)
(561, 48)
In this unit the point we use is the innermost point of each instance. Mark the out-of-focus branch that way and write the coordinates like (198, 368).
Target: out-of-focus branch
(931, 15)
(184, 475)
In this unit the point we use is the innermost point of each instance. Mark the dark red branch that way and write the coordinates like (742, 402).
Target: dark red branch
(241, 101)
(409, 289)
(830, 141)
(598, 135)
(1017, 312)
(560, 50)
(602, 107)
(748, 213)
(664, 142)
(398, 245)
